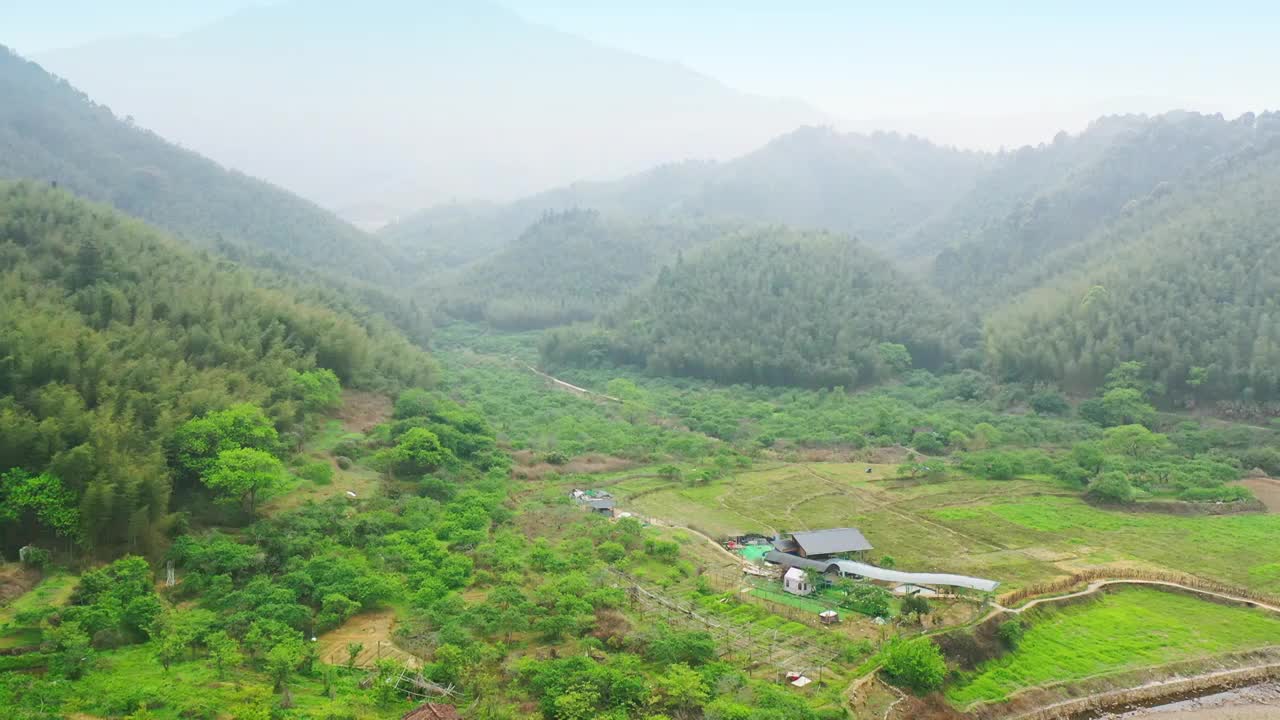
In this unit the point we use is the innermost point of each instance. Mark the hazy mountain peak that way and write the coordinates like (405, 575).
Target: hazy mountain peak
(403, 105)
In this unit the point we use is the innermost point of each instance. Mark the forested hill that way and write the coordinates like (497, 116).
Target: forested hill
(113, 335)
(1037, 201)
(875, 187)
(570, 266)
(775, 307)
(51, 132)
(1188, 285)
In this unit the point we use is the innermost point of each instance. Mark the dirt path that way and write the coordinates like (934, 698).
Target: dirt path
(557, 382)
(657, 522)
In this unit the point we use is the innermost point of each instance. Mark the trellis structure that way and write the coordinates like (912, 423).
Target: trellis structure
(768, 648)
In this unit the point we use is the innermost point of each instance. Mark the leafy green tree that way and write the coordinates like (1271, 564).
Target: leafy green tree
(576, 703)
(198, 444)
(319, 389)
(1090, 456)
(914, 664)
(915, 604)
(71, 648)
(224, 651)
(1120, 406)
(142, 614)
(41, 500)
(385, 689)
(1112, 487)
(895, 357)
(418, 452)
(335, 609)
(680, 689)
(320, 473)
(865, 598)
(1011, 632)
(1135, 441)
(1049, 402)
(241, 475)
(353, 651)
(668, 647)
(283, 660)
(170, 649)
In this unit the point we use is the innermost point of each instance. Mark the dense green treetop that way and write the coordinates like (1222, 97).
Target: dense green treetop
(570, 266)
(113, 335)
(778, 308)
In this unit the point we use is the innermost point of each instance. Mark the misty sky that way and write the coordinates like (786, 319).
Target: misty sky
(975, 73)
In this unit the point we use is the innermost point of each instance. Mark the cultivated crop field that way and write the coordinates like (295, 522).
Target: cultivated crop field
(1122, 630)
(1018, 532)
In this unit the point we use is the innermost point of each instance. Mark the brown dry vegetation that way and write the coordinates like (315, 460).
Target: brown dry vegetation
(531, 466)
(362, 411)
(16, 580)
(1267, 490)
(373, 630)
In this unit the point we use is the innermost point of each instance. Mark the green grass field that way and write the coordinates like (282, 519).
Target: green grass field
(1017, 532)
(52, 591)
(784, 598)
(1124, 630)
(122, 681)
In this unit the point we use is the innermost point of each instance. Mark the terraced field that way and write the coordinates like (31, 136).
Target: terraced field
(1123, 630)
(1019, 532)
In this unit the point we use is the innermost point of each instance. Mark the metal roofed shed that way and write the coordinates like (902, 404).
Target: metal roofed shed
(830, 542)
(850, 567)
(786, 545)
(795, 561)
(897, 577)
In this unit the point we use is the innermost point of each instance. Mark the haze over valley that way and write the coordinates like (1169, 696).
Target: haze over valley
(538, 361)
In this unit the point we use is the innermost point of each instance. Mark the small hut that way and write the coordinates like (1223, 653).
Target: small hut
(796, 582)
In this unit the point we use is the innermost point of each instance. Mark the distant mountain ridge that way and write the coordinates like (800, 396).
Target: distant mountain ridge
(410, 104)
(874, 187)
(50, 131)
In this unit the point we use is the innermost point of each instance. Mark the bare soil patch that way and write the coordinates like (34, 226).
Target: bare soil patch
(362, 411)
(1267, 491)
(16, 580)
(530, 466)
(373, 631)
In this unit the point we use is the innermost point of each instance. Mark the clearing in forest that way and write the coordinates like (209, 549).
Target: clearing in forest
(373, 631)
(1122, 630)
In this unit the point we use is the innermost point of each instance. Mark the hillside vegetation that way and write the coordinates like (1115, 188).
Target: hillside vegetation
(1035, 202)
(113, 335)
(1188, 286)
(778, 308)
(569, 267)
(1142, 239)
(50, 131)
(874, 187)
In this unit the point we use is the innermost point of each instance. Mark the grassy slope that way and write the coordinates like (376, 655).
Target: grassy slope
(1018, 532)
(133, 674)
(18, 631)
(1124, 630)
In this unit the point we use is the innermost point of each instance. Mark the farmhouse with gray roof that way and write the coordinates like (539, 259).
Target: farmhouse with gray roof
(824, 543)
